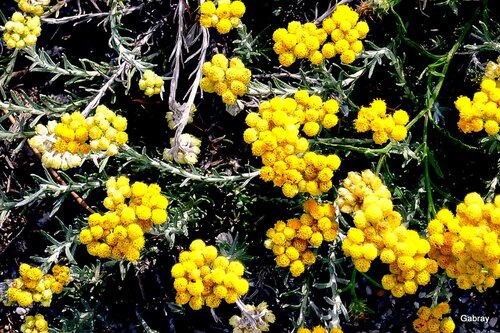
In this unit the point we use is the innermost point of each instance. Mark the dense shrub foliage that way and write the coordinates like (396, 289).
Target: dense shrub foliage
(249, 166)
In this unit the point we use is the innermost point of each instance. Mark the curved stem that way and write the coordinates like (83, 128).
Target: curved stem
(372, 281)
(143, 159)
(432, 94)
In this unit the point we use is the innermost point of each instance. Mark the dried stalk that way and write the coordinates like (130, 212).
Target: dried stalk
(176, 57)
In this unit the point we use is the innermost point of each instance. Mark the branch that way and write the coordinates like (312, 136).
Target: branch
(86, 17)
(54, 173)
(185, 108)
(95, 101)
(132, 155)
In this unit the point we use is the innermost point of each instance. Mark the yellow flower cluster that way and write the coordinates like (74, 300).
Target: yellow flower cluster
(106, 131)
(253, 319)
(133, 209)
(151, 83)
(290, 241)
(346, 33)
(274, 133)
(467, 245)
(35, 324)
(34, 286)
(227, 78)
(383, 125)
(224, 17)
(187, 152)
(301, 41)
(203, 277)
(483, 111)
(318, 329)
(21, 31)
(378, 233)
(431, 319)
(66, 144)
(35, 7)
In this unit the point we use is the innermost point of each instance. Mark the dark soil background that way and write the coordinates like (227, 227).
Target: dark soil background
(146, 290)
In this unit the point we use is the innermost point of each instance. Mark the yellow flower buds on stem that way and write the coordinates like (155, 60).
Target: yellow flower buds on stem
(483, 111)
(466, 245)
(290, 241)
(203, 277)
(66, 144)
(228, 78)
(383, 125)
(151, 83)
(274, 135)
(35, 324)
(431, 319)
(299, 41)
(318, 329)
(21, 31)
(33, 286)
(378, 232)
(224, 16)
(133, 209)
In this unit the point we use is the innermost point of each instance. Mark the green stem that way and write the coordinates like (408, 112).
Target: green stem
(363, 150)
(431, 209)
(434, 93)
(351, 286)
(143, 160)
(372, 281)
(380, 163)
(7, 73)
(402, 29)
(304, 304)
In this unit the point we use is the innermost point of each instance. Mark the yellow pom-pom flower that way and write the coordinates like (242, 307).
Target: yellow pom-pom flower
(383, 125)
(224, 16)
(21, 31)
(202, 277)
(151, 83)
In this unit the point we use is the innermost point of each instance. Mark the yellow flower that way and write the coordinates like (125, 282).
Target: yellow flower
(491, 127)
(369, 251)
(159, 216)
(196, 303)
(316, 57)
(399, 133)
(241, 286)
(316, 239)
(24, 298)
(318, 329)
(355, 235)
(362, 265)
(286, 59)
(363, 29)
(347, 56)
(132, 254)
(86, 236)
(207, 8)
(297, 268)
(447, 325)
(224, 26)
(143, 212)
